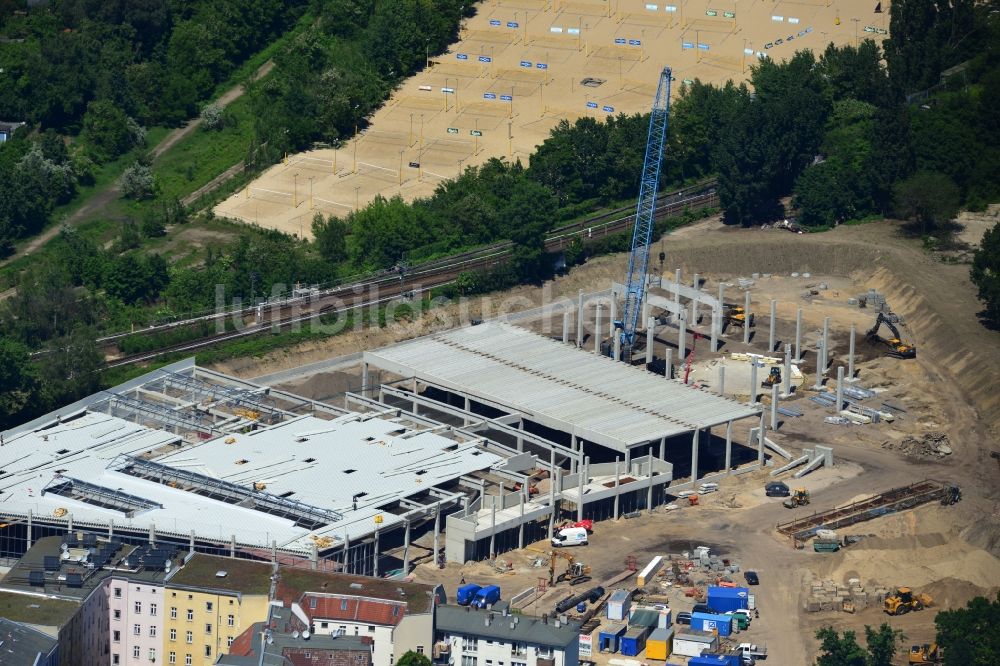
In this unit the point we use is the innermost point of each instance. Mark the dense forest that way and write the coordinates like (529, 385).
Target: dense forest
(833, 137)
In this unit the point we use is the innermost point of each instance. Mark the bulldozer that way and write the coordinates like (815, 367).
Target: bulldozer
(575, 573)
(904, 601)
(799, 497)
(897, 347)
(928, 653)
(773, 378)
(737, 316)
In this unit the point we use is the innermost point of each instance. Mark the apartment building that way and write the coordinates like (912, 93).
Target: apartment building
(466, 636)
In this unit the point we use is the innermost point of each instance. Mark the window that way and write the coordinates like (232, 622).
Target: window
(208, 650)
(543, 652)
(420, 649)
(489, 662)
(118, 615)
(518, 663)
(229, 641)
(172, 658)
(395, 611)
(118, 593)
(152, 609)
(208, 606)
(231, 620)
(138, 589)
(152, 654)
(371, 628)
(190, 615)
(187, 660)
(152, 631)
(138, 608)
(356, 629)
(312, 603)
(208, 628)
(468, 661)
(136, 629)
(469, 645)
(173, 634)
(115, 659)
(343, 630)
(189, 637)
(343, 604)
(135, 652)
(520, 649)
(173, 612)
(116, 636)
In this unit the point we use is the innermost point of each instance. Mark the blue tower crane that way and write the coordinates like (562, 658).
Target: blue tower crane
(642, 233)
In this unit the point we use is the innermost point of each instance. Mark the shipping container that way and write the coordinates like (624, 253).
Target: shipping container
(715, 660)
(659, 644)
(723, 624)
(723, 599)
(618, 605)
(644, 617)
(609, 638)
(694, 643)
(634, 641)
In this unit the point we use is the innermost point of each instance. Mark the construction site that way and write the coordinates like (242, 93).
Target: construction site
(519, 68)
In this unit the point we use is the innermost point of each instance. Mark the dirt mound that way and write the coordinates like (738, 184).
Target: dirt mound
(985, 533)
(928, 445)
(325, 385)
(955, 593)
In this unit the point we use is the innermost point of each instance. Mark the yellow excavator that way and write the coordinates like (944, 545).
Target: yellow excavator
(773, 378)
(923, 655)
(799, 497)
(904, 600)
(737, 316)
(896, 346)
(575, 571)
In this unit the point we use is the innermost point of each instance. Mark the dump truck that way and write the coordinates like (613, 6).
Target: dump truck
(904, 600)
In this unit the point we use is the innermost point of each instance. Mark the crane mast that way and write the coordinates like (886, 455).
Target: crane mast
(642, 233)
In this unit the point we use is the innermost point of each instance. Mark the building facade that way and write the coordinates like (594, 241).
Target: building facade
(465, 636)
(135, 610)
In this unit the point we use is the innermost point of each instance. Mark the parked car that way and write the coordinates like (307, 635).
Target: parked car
(707, 488)
(751, 577)
(571, 536)
(704, 608)
(683, 617)
(777, 489)
(486, 597)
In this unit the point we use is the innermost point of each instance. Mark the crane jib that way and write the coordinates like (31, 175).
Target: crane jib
(642, 232)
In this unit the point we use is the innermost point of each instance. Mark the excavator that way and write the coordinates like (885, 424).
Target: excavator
(896, 346)
(799, 497)
(773, 378)
(904, 600)
(923, 655)
(737, 316)
(576, 572)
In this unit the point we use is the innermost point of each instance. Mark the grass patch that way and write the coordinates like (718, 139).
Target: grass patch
(864, 220)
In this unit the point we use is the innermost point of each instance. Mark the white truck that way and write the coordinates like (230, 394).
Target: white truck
(751, 650)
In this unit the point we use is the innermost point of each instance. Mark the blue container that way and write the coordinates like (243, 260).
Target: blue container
(581, 607)
(715, 660)
(634, 641)
(725, 599)
(723, 624)
(609, 638)
(466, 594)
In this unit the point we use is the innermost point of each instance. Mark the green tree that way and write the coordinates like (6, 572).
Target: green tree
(330, 236)
(882, 644)
(839, 650)
(411, 658)
(106, 129)
(20, 382)
(986, 273)
(930, 199)
(968, 634)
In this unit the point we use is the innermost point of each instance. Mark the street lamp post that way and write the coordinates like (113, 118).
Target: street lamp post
(295, 190)
(357, 188)
(311, 192)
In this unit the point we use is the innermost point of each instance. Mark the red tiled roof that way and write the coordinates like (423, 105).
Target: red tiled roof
(369, 611)
(244, 644)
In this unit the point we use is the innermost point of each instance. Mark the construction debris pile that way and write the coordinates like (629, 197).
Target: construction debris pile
(872, 299)
(694, 570)
(827, 595)
(928, 445)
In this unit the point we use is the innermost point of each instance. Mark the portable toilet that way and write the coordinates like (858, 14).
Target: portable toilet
(609, 638)
(618, 605)
(715, 660)
(660, 644)
(725, 599)
(634, 641)
(723, 624)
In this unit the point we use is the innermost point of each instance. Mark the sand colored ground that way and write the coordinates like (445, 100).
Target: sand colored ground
(518, 70)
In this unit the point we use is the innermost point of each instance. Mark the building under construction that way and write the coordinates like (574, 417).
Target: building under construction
(487, 438)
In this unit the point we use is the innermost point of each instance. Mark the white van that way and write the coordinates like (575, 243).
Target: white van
(571, 536)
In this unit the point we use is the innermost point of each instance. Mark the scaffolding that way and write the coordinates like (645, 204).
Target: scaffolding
(91, 493)
(245, 402)
(304, 515)
(134, 409)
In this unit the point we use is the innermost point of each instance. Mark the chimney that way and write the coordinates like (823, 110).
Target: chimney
(556, 623)
(486, 620)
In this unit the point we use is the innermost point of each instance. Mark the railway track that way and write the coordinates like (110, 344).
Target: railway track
(389, 285)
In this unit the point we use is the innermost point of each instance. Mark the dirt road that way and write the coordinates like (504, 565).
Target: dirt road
(100, 200)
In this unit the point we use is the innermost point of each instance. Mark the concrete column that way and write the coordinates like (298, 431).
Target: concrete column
(493, 528)
(565, 336)
(468, 408)
(614, 312)
(579, 319)
(760, 441)
(840, 389)
(681, 337)
(597, 330)
(649, 486)
(694, 301)
(111, 529)
(774, 407)
(645, 304)
(520, 522)
(274, 551)
(798, 336)
(520, 440)
(668, 371)
(364, 378)
(753, 383)
(618, 477)
(770, 330)
(722, 294)
(191, 542)
(314, 557)
(437, 531)
(716, 327)
(826, 344)
(69, 522)
(347, 552)
(850, 357)
(677, 280)
(616, 344)
(694, 459)
(572, 459)
(729, 447)
(650, 333)
(406, 547)
(628, 459)
(552, 490)
(579, 488)
(788, 371)
(746, 317)
(152, 535)
(722, 379)
(663, 448)
(375, 561)
(232, 546)
(31, 517)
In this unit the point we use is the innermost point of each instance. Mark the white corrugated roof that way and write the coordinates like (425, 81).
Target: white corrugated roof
(591, 396)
